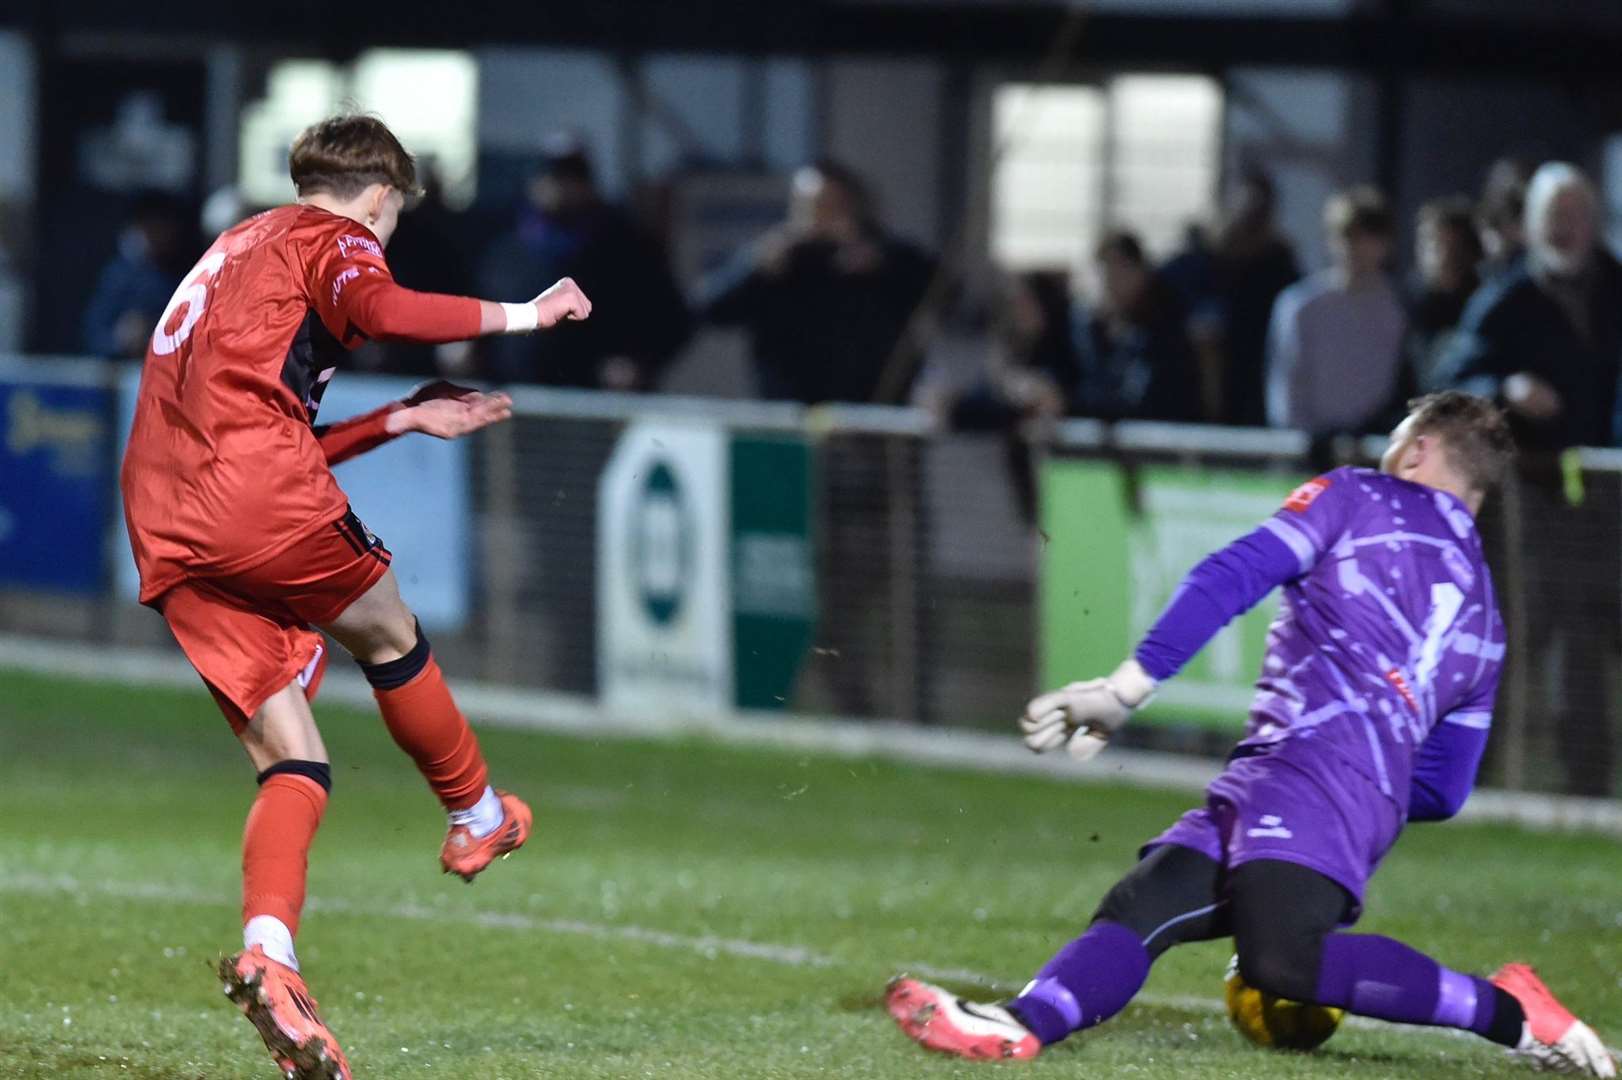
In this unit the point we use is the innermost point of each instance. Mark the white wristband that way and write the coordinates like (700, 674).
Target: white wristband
(521, 318)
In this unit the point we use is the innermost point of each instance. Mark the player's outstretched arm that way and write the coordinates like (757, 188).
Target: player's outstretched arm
(380, 309)
(441, 409)
(1225, 584)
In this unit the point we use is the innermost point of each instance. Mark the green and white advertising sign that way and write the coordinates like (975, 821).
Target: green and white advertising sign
(1119, 542)
(706, 588)
(774, 594)
(663, 624)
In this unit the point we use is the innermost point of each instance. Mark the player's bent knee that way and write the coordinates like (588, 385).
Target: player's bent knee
(393, 674)
(1285, 969)
(318, 771)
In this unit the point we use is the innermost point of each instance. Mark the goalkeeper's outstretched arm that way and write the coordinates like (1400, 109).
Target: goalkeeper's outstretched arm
(1224, 585)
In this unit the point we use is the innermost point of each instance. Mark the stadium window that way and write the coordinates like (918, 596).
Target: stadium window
(427, 97)
(1140, 152)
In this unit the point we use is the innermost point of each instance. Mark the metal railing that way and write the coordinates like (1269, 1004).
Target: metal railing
(926, 571)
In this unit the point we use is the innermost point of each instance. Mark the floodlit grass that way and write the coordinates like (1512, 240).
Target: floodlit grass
(685, 909)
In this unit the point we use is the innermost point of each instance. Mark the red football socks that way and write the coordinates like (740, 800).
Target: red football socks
(426, 724)
(276, 847)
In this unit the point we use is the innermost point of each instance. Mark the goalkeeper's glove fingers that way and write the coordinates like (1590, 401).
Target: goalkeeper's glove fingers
(1084, 714)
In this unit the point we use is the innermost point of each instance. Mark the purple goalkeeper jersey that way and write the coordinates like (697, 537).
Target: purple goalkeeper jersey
(1388, 628)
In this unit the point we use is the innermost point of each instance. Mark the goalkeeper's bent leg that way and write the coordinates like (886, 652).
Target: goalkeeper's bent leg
(1283, 918)
(1168, 898)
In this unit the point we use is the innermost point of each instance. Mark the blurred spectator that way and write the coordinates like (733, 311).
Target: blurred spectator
(1501, 213)
(1228, 291)
(1545, 339)
(566, 229)
(1031, 372)
(1133, 353)
(1447, 252)
(1336, 337)
(829, 298)
(1031, 364)
(135, 285)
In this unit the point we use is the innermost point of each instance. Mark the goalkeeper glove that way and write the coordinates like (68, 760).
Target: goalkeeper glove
(1083, 715)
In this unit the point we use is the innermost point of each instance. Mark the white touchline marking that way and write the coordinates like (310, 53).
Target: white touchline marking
(708, 945)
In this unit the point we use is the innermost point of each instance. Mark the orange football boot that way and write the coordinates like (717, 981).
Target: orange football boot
(279, 1005)
(465, 855)
(937, 1019)
(1559, 1041)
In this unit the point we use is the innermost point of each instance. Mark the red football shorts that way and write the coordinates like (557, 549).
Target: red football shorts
(251, 633)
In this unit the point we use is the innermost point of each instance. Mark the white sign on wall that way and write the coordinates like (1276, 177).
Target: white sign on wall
(663, 612)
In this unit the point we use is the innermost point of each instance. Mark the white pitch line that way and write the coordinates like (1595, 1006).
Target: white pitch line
(708, 945)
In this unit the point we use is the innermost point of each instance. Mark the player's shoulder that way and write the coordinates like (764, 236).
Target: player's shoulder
(1340, 481)
(313, 229)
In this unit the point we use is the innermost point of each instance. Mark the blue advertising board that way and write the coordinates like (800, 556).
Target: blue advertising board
(55, 480)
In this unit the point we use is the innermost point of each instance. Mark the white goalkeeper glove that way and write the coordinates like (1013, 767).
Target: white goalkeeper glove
(1082, 716)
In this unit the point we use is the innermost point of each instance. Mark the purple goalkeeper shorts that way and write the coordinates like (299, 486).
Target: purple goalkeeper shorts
(1297, 803)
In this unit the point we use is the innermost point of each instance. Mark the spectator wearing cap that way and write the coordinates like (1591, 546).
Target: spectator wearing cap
(1544, 339)
(829, 298)
(567, 229)
(1335, 343)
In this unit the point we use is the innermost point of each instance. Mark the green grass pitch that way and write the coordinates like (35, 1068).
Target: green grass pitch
(685, 909)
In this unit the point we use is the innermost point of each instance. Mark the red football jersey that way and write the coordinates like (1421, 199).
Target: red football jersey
(223, 469)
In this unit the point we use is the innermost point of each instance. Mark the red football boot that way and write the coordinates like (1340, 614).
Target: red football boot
(1559, 1041)
(465, 855)
(279, 1005)
(940, 1020)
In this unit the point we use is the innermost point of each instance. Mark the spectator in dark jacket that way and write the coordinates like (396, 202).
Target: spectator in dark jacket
(136, 283)
(1545, 339)
(567, 229)
(830, 299)
(1447, 252)
(1133, 356)
(1251, 263)
(1501, 213)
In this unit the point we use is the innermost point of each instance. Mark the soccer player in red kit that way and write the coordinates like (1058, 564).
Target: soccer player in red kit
(247, 545)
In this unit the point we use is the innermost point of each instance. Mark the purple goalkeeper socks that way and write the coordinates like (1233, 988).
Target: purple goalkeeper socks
(1090, 980)
(1376, 976)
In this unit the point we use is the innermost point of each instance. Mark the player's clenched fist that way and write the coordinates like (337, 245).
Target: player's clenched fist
(563, 301)
(1083, 715)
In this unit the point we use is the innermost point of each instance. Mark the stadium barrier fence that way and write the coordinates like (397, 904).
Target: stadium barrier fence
(704, 557)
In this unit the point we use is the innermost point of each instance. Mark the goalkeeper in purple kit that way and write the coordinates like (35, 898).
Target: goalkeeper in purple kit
(1372, 710)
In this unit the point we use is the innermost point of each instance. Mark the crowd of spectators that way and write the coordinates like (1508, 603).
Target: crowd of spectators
(1511, 293)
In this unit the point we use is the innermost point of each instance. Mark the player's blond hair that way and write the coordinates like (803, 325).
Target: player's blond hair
(344, 155)
(1474, 432)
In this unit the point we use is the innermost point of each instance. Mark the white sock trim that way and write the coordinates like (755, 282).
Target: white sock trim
(272, 935)
(483, 817)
